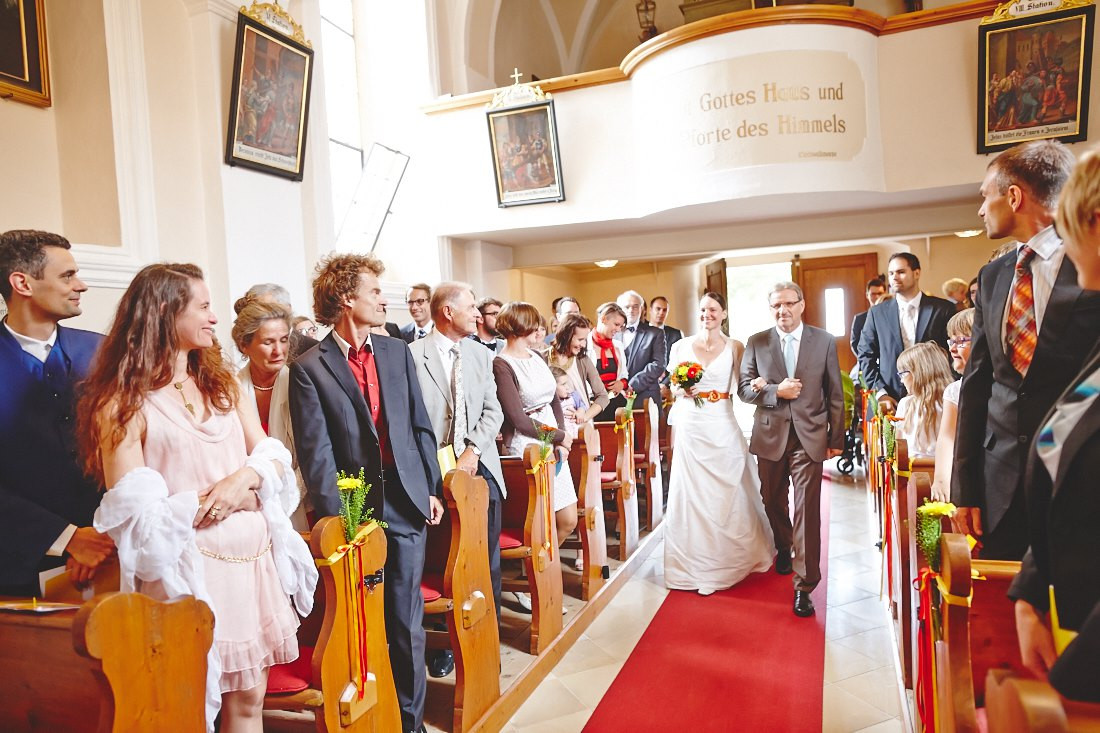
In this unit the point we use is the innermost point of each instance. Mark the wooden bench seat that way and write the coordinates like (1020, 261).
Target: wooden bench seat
(1023, 705)
(123, 662)
(647, 462)
(979, 635)
(457, 586)
(528, 513)
(585, 461)
(618, 481)
(338, 669)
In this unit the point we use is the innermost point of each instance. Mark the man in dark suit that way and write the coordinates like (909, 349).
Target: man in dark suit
(356, 403)
(417, 299)
(792, 375)
(1033, 328)
(646, 356)
(876, 288)
(910, 317)
(658, 314)
(46, 502)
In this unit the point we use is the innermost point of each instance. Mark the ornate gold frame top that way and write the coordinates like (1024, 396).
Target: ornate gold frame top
(839, 15)
(277, 19)
(1014, 9)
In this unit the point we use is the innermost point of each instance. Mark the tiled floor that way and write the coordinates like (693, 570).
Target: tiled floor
(860, 692)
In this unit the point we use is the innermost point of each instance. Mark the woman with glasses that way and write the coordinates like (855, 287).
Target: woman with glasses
(305, 326)
(959, 329)
(923, 369)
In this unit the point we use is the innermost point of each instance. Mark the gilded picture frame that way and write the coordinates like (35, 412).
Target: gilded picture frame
(269, 102)
(24, 61)
(526, 159)
(1034, 73)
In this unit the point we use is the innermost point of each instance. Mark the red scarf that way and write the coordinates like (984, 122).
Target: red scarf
(607, 358)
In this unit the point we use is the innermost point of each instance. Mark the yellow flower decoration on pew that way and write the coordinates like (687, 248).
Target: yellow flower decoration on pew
(937, 509)
(349, 484)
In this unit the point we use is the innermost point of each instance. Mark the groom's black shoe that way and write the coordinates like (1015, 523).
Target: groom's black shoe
(803, 606)
(783, 562)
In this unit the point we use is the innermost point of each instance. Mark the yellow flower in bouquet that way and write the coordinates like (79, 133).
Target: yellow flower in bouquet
(688, 374)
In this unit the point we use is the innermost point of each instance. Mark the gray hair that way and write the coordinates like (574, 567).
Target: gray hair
(446, 293)
(785, 285)
(271, 292)
(631, 294)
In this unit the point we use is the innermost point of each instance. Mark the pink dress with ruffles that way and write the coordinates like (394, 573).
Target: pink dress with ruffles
(255, 624)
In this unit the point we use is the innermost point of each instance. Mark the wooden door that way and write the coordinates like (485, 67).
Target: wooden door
(716, 283)
(847, 274)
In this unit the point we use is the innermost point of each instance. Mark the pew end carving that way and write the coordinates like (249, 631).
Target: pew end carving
(585, 461)
(647, 462)
(619, 485)
(1018, 704)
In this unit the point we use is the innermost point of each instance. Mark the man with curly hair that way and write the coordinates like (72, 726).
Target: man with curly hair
(356, 402)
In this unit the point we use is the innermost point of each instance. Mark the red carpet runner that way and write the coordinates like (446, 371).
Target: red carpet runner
(738, 660)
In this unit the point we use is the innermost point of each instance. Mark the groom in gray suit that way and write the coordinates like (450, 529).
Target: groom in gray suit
(791, 374)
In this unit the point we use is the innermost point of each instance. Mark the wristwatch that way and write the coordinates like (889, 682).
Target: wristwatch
(474, 448)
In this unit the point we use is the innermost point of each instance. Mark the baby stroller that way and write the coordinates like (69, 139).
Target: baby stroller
(853, 436)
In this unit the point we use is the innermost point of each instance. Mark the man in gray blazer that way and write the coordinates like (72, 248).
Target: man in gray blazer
(792, 375)
(644, 345)
(448, 362)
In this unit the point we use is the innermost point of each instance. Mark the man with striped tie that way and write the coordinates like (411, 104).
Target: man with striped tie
(1033, 328)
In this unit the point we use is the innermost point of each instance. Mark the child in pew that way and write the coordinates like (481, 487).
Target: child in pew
(572, 403)
(924, 371)
(959, 329)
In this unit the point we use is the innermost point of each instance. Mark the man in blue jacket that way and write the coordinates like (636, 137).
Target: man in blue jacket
(46, 502)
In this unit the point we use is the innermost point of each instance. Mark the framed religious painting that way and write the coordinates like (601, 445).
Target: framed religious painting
(1034, 63)
(269, 104)
(523, 138)
(24, 65)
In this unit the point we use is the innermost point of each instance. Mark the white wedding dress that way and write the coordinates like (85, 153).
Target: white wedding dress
(716, 531)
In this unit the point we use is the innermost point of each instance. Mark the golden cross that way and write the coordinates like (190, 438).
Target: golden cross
(516, 75)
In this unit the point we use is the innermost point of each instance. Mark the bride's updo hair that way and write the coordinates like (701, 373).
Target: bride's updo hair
(716, 297)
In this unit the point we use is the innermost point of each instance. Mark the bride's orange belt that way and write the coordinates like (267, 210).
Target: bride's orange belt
(713, 395)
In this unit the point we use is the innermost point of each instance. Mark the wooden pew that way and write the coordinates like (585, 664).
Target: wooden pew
(647, 462)
(123, 662)
(457, 585)
(1021, 705)
(618, 484)
(528, 517)
(977, 637)
(584, 462)
(331, 672)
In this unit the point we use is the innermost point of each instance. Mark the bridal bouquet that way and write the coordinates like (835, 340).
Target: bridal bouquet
(688, 374)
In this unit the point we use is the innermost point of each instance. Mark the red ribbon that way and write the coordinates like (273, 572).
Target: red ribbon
(925, 691)
(887, 532)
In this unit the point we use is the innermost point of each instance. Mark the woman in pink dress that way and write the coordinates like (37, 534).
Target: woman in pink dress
(198, 497)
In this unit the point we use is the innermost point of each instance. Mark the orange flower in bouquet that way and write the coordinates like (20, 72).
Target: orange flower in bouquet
(688, 374)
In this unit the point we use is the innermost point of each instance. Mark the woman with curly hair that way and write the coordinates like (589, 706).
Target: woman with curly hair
(198, 498)
(925, 372)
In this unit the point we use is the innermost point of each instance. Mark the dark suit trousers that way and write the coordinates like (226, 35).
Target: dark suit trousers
(1009, 539)
(406, 539)
(496, 500)
(794, 466)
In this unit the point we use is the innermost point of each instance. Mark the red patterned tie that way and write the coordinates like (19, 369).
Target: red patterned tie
(1021, 334)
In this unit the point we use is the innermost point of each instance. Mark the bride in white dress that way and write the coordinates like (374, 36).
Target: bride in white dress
(716, 531)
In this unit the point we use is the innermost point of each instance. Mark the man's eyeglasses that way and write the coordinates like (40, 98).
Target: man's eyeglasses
(418, 301)
(952, 343)
(787, 304)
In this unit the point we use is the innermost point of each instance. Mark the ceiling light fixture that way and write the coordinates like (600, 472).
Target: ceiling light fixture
(606, 263)
(647, 15)
(968, 233)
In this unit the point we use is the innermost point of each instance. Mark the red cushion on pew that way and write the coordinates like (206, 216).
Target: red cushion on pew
(982, 721)
(606, 476)
(283, 679)
(431, 587)
(511, 537)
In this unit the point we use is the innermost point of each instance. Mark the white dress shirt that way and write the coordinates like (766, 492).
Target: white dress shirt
(908, 313)
(345, 347)
(1049, 253)
(627, 334)
(41, 350)
(444, 346)
(796, 334)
